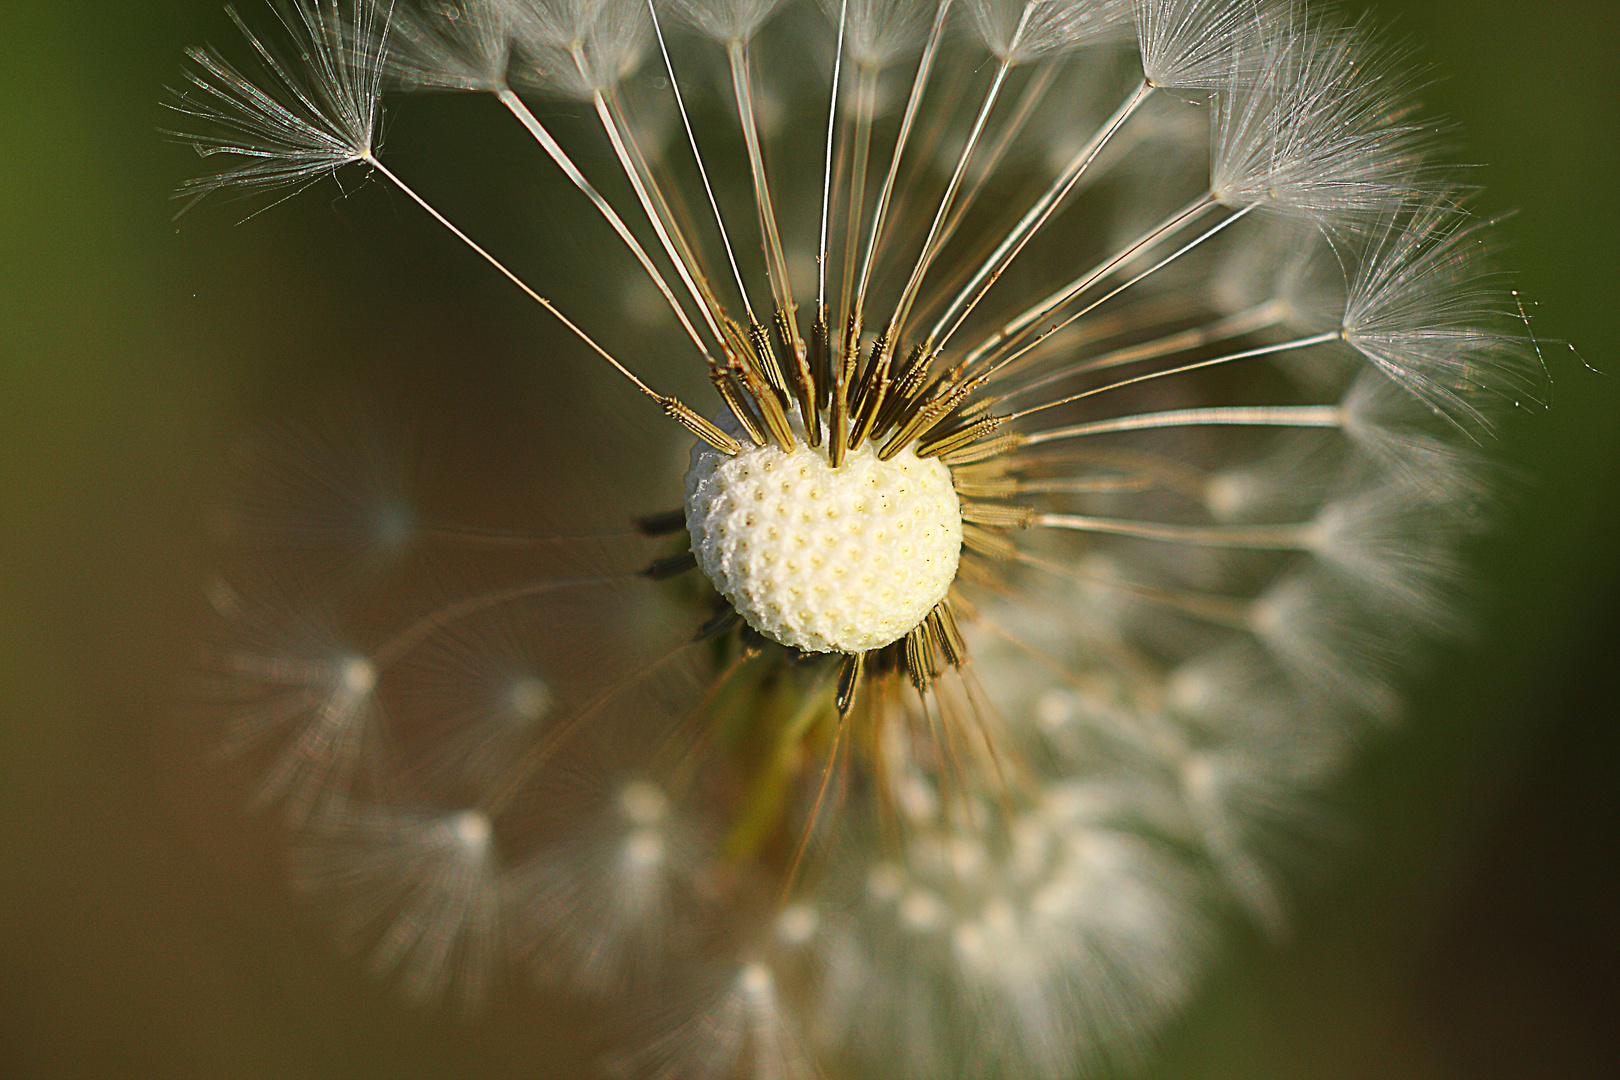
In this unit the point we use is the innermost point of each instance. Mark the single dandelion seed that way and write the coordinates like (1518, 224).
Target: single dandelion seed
(312, 111)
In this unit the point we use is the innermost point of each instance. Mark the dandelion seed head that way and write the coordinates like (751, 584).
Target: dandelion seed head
(1094, 434)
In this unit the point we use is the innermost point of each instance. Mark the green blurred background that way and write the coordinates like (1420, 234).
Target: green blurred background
(1472, 932)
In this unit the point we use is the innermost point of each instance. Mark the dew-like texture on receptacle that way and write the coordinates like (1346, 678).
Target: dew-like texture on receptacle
(824, 559)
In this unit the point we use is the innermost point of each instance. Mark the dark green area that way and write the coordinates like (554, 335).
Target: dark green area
(144, 927)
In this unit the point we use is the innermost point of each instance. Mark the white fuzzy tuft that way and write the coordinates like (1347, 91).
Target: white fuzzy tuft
(1324, 131)
(1197, 44)
(464, 46)
(418, 888)
(295, 125)
(1020, 31)
(577, 48)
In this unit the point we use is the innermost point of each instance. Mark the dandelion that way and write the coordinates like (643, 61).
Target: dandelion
(1099, 395)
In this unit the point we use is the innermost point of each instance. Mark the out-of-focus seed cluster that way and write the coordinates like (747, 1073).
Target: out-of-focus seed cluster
(1174, 291)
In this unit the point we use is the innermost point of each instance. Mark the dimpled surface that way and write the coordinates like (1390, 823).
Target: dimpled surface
(824, 559)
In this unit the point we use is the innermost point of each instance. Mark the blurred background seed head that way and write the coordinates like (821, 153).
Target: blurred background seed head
(144, 926)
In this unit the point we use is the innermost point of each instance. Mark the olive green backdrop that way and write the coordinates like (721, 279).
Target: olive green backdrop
(144, 927)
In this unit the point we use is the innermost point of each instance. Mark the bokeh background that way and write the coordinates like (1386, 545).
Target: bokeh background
(145, 930)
